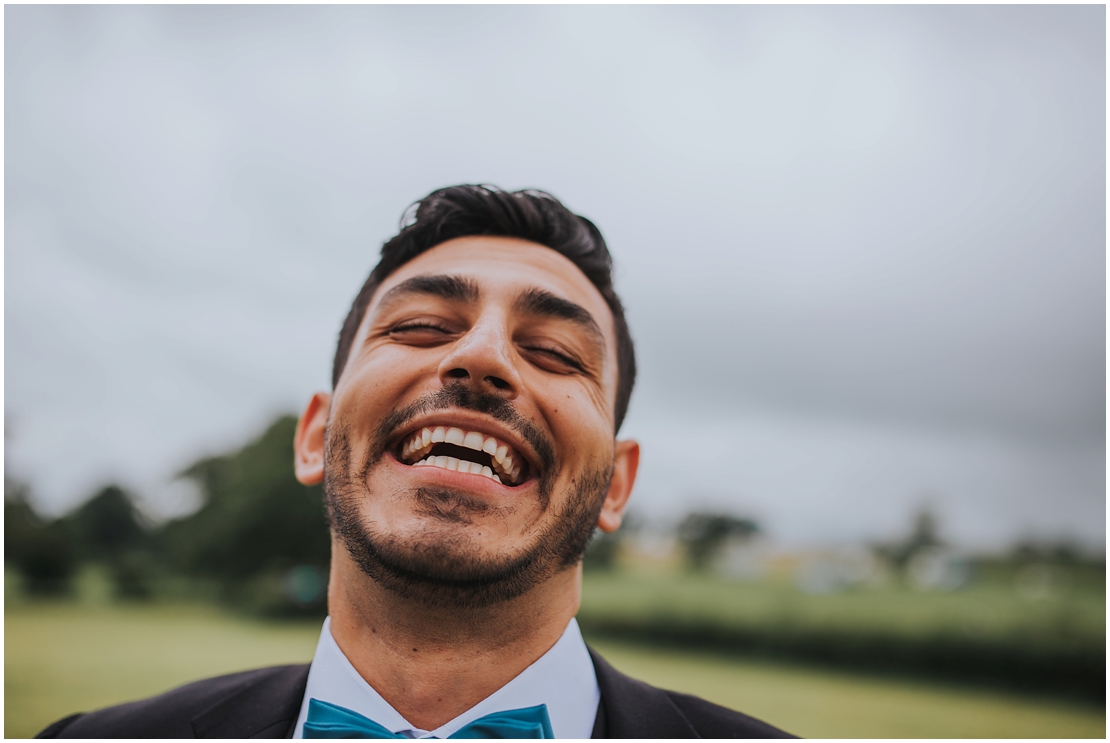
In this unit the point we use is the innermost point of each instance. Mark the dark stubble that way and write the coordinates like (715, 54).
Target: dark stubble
(448, 570)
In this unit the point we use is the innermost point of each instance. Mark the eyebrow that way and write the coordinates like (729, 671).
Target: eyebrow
(543, 303)
(454, 288)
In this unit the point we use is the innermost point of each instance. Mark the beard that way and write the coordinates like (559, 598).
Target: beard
(442, 567)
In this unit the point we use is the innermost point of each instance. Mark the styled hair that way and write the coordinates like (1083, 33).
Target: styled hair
(535, 216)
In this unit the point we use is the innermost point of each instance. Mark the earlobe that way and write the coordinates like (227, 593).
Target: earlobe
(626, 461)
(308, 441)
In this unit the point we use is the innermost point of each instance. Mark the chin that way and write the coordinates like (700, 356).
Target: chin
(446, 565)
(464, 550)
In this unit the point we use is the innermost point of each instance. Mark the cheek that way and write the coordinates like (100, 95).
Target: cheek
(583, 402)
(383, 383)
(579, 424)
(588, 407)
(362, 400)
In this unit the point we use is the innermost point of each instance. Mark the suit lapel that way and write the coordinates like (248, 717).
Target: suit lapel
(632, 709)
(265, 707)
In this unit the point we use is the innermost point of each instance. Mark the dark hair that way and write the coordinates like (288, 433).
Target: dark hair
(461, 211)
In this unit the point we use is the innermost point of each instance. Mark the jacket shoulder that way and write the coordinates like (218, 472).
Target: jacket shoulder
(714, 721)
(251, 703)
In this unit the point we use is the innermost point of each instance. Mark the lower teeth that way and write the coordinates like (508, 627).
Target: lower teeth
(458, 465)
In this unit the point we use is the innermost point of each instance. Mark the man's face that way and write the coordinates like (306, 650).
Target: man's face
(470, 437)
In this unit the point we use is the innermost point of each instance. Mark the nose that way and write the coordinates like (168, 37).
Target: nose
(483, 359)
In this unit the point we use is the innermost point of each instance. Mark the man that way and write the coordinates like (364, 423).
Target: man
(467, 452)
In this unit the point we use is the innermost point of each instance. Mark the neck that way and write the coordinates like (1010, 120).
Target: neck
(434, 663)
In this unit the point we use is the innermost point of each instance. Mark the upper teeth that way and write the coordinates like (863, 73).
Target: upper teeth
(506, 463)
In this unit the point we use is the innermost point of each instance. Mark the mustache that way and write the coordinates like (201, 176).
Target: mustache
(458, 396)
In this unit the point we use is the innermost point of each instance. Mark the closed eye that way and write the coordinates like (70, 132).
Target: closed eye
(421, 333)
(554, 355)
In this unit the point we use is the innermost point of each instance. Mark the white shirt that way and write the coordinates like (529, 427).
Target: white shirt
(563, 678)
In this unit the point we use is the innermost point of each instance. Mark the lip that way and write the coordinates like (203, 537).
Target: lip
(469, 422)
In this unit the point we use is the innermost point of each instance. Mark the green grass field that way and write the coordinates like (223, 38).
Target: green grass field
(68, 656)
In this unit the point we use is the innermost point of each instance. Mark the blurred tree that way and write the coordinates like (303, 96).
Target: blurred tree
(108, 525)
(110, 530)
(1065, 553)
(256, 518)
(1062, 552)
(703, 535)
(924, 534)
(42, 552)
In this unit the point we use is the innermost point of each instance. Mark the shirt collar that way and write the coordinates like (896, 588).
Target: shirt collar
(563, 678)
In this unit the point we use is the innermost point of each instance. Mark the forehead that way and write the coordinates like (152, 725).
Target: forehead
(502, 267)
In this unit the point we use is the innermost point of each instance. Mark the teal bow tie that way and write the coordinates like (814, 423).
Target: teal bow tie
(326, 720)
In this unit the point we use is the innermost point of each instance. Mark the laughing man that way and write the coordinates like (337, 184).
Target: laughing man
(468, 450)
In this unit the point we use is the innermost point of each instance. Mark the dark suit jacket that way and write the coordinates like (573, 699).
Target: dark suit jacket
(265, 704)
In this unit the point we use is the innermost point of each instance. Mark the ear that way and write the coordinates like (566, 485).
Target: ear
(626, 460)
(308, 442)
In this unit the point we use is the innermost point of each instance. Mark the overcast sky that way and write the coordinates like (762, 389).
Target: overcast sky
(862, 248)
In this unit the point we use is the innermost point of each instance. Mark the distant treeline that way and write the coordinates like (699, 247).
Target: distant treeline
(259, 540)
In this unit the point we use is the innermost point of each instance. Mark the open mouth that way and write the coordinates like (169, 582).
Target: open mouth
(452, 448)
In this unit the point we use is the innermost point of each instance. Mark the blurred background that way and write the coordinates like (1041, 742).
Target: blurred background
(863, 255)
